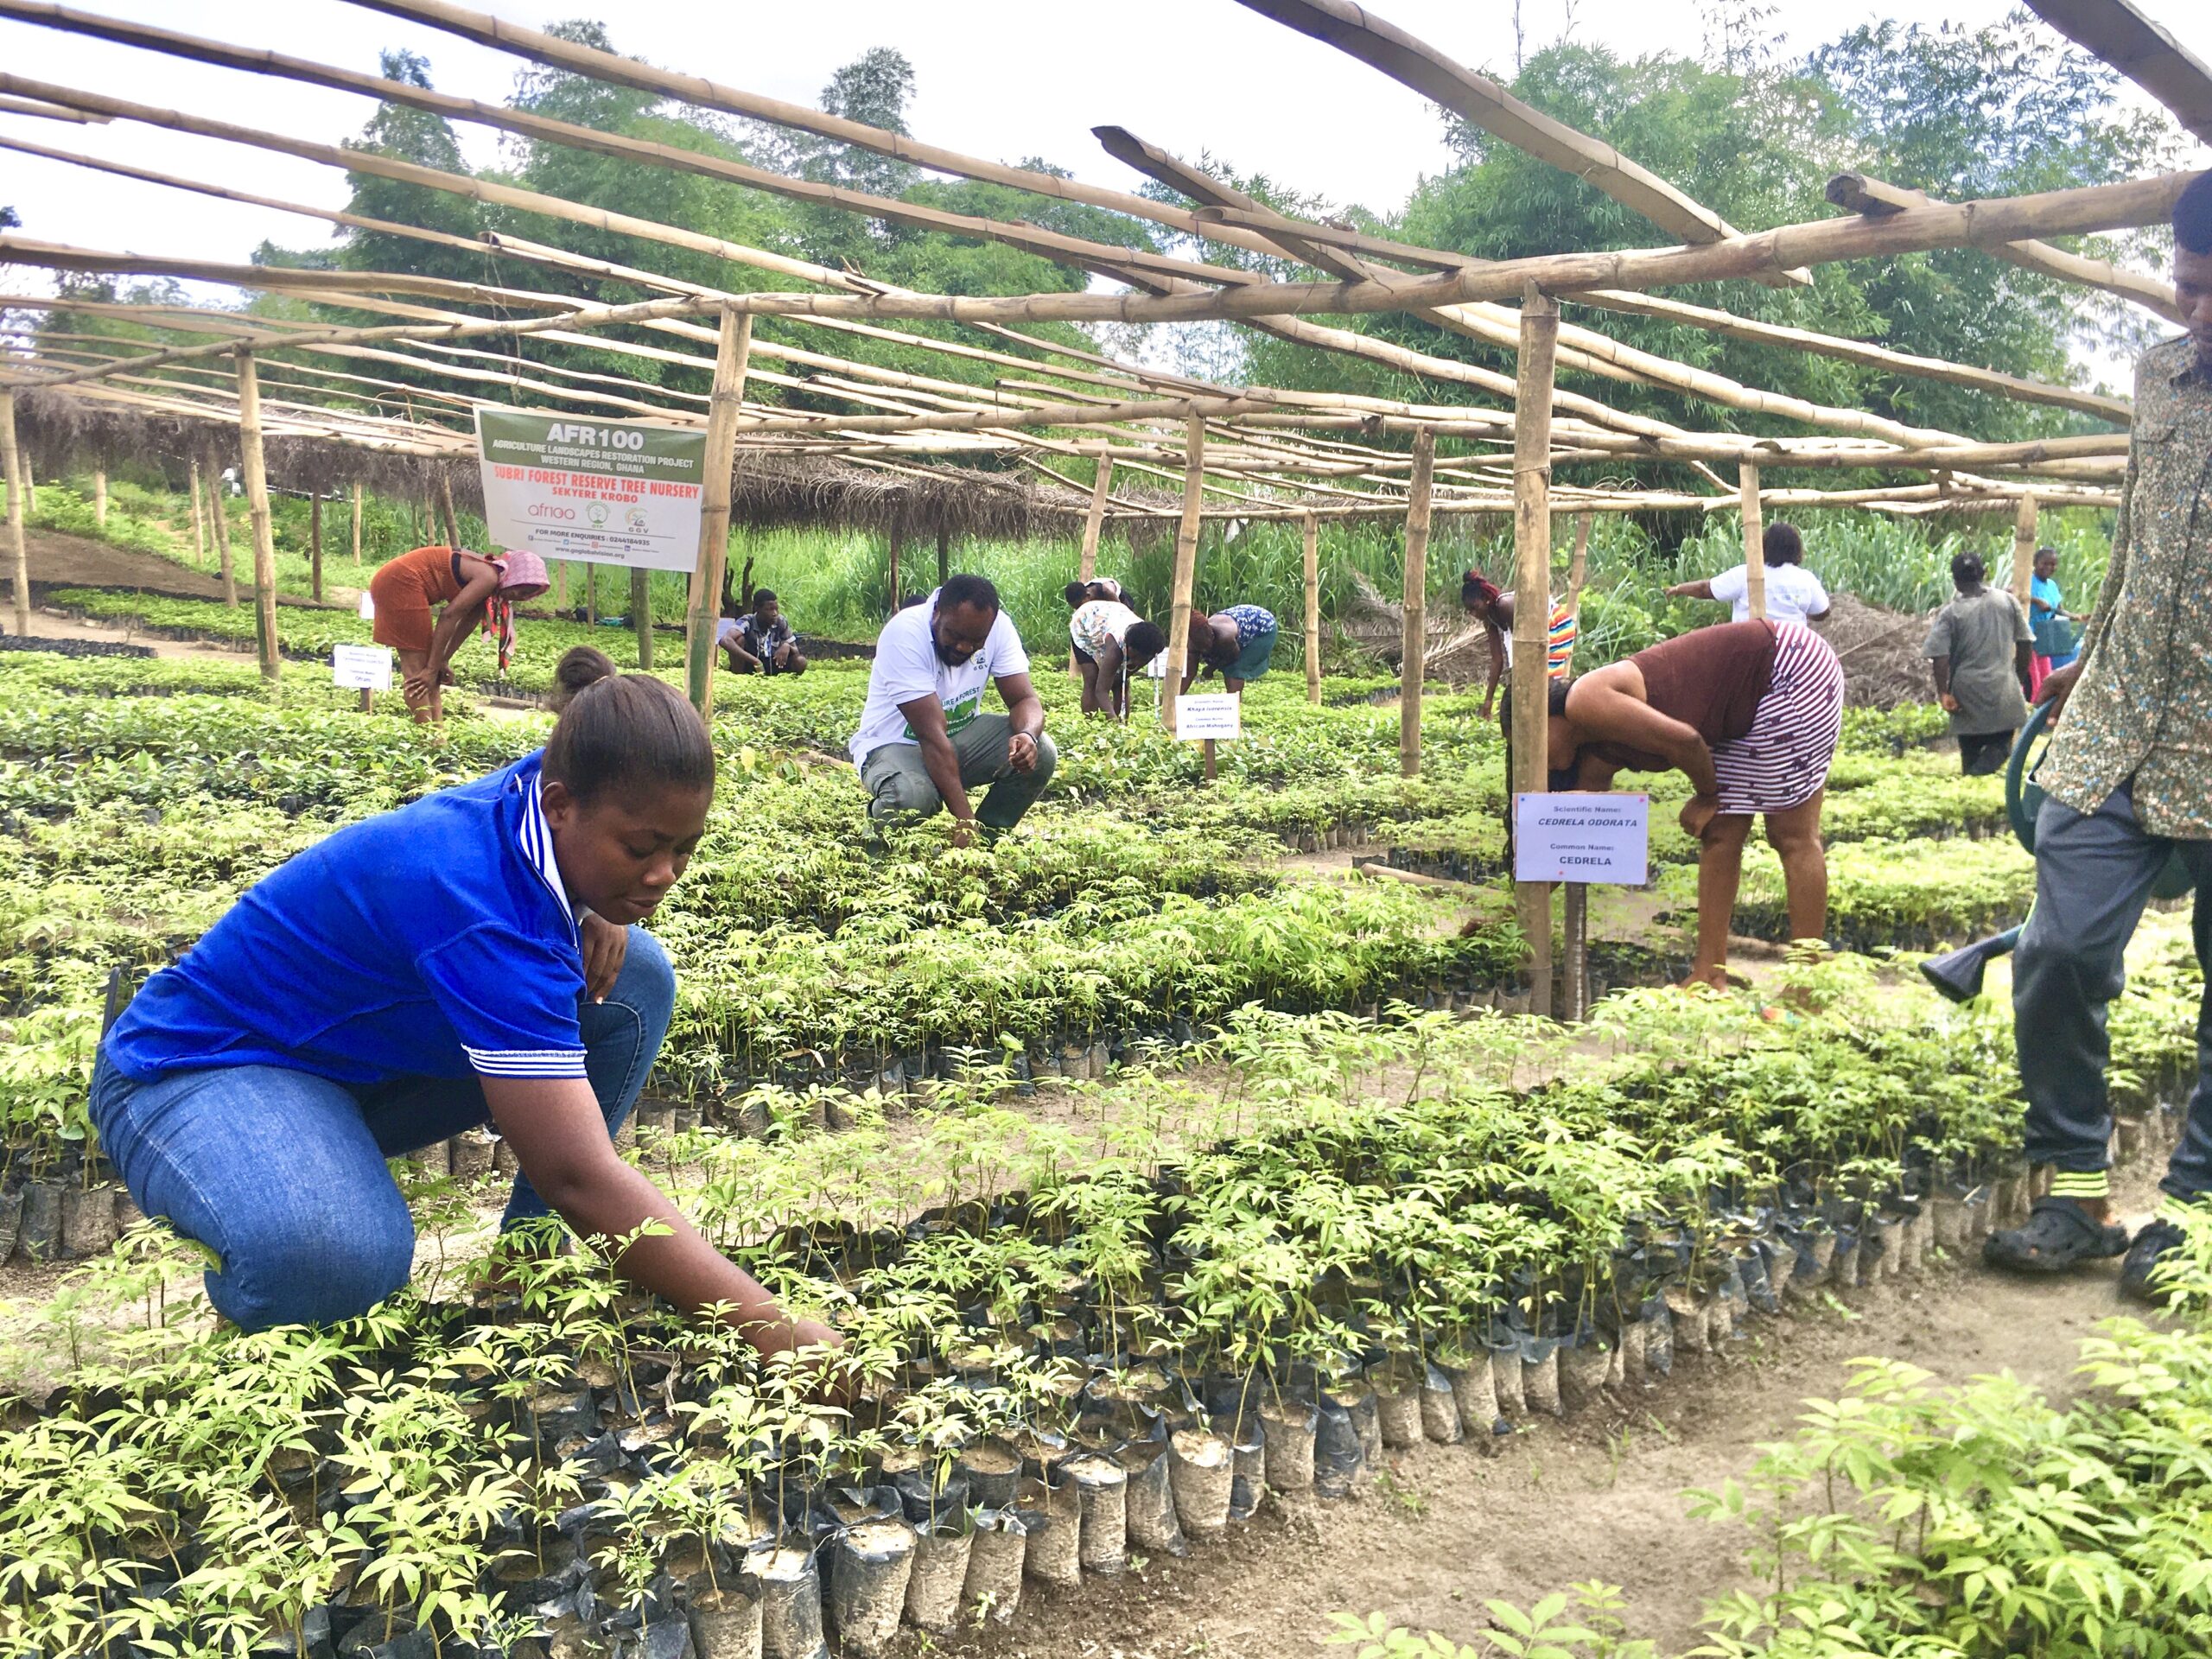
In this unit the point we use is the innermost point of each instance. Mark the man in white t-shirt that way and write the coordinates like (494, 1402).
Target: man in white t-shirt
(924, 741)
(1793, 593)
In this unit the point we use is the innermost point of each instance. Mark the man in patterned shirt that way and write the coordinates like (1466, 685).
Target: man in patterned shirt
(2129, 786)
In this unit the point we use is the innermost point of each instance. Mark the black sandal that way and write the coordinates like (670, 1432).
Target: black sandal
(2058, 1234)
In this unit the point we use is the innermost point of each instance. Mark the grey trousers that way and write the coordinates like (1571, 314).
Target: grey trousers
(900, 788)
(2094, 872)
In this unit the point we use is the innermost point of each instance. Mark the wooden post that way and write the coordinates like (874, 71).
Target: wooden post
(2024, 551)
(1187, 569)
(198, 519)
(315, 546)
(257, 506)
(1532, 558)
(561, 586)
(357, 524)
(1087, 559)
(11, 454)
(641, 616)
(1574, 927)
(100, 497)
(1747, 485)
(1313, 610)
(732, 352)
(943, 554)
(1414, 659)
(445, 503)
(219, 515)
(591, 595)
(898, 545)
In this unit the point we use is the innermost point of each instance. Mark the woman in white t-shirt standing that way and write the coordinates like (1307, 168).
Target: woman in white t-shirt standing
(1793, 593)
(1111, 642)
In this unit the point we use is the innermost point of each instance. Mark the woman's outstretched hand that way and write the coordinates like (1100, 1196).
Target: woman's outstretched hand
(1697, 812)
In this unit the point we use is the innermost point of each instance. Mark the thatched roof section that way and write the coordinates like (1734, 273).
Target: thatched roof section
(60, 430)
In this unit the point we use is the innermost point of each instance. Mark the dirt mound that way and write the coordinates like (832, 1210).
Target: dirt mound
(1879, 650)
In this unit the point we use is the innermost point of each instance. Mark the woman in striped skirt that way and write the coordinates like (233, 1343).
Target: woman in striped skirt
(1494, 610)
(1751, 712)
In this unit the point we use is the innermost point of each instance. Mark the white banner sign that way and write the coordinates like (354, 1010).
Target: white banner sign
(1208, 713)
(1577, 836)
(627, 493)
(364, 668)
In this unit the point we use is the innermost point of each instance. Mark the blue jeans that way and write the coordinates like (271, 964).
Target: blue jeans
(282, 1174)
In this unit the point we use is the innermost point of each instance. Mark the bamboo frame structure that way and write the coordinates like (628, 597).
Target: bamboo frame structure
(1186, 573)
(1414, 656)
(1532, 551)
(255, 475)
(733, 355)
(1311, 550)
(1747, 485)
(1248, 453)
(2024, 551)
(11, 457)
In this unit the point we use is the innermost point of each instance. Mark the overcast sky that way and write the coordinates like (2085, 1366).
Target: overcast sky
(1187, 74)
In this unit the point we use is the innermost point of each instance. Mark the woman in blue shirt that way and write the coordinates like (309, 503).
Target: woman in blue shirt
(2047, 619)
(1237, 644)
(474, 957)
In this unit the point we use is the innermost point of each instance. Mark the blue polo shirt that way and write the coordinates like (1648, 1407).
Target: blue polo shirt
(435, 940)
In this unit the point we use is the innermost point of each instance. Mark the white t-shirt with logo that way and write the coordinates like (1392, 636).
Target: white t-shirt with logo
(907, 667)
(1793, 593)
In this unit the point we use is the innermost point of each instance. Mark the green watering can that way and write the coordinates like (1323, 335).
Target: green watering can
(1957, 974)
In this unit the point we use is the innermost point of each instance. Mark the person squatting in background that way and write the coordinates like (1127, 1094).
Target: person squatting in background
(924, 742)
(1480, 597)
(1978, 650)
(760, 641)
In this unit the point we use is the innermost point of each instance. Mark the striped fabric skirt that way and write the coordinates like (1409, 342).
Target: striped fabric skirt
(1560, 636)
(1782, 761)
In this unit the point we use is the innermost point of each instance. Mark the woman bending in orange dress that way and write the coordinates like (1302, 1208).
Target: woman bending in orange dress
(473, 588)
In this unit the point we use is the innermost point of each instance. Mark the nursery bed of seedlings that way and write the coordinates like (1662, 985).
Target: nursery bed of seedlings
(1057, 1361)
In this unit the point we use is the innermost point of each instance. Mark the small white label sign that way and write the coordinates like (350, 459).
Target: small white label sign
(1582, 837)
(364, 668)
(368, 606)
(1208, 713)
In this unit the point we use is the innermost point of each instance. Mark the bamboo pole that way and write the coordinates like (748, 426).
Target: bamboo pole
(357, 524)
(2024, 551)
(198, 519)
(314, 545)
(641, 616)
(445, 506)
(219, 515)
(11, 454)
(732, 351)
(100, 497)
(591, 595)
(257, 503)
(1186, 566)
(1413, 644)
(561, 586)
(1312, 539)
(1532, 549)
(898, 546)
(1747, 485)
